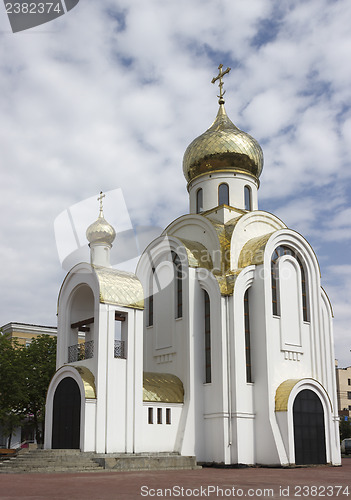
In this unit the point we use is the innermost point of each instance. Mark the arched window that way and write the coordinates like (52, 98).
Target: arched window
(150, 301)
(247, 337)
(279, 252)
(247, 198)
(223, 194)
(199, 201)
(208, 375)
(178, 285)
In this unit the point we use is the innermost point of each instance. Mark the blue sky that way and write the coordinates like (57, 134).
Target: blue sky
(109, 96)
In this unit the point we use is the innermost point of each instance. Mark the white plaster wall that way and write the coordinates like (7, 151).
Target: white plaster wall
(160, 437)
(89, 425)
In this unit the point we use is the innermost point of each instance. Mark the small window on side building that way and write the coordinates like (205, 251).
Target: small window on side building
(168, 416)
(150, 415)
(159, 415)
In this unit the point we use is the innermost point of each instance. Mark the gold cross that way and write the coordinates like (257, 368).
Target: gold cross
(100, 200)
(220, 85)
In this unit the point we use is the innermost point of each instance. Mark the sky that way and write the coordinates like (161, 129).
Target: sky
(108, 96)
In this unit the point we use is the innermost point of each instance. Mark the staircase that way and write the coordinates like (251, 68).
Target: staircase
(50, 461)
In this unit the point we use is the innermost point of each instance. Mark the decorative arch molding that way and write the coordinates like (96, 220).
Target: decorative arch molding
(284, 400)
(294, 240)
(80, 275)
(155, 253)
(251, 226)
(243, 281)
(208, 282)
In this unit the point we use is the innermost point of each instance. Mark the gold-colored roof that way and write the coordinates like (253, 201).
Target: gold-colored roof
(88, 381)
(223, 147)
(282, 394)
(163, 388)
(198, 255)
(252, 252)
(119, 288)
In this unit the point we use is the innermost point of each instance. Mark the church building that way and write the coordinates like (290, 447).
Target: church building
(220, 346)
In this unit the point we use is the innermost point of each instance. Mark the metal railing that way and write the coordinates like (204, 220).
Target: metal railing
(119, 350)
(82, 351)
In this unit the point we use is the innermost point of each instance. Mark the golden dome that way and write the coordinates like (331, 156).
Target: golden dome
(223, 147)
(101, 231)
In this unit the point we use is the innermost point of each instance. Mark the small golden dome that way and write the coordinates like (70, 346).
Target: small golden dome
(101, 231)
(223, 147)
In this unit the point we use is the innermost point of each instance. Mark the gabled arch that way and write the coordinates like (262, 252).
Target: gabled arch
(252, 228)
(86, 384)
(284, 401)
(200, 229)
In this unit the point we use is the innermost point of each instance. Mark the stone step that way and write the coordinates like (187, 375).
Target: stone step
(76, 461)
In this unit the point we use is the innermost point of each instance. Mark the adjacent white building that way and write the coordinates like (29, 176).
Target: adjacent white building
(220, 346)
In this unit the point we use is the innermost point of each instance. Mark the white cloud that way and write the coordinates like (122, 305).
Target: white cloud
(110, 95)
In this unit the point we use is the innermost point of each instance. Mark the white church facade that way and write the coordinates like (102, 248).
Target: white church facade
(220, 346)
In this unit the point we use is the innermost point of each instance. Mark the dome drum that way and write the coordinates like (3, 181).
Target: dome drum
(223, 162)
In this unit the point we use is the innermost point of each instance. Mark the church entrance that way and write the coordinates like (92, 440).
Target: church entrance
(66, 415)
(309, 430)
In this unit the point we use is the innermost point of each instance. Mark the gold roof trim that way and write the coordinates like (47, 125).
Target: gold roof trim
(224, 233)
(226, 283)
(88, 381)
(197, 253)
(282, 394)
(119, 288)
(252, 252)
(162, 387)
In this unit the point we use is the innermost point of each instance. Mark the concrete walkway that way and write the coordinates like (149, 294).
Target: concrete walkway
(311, 482)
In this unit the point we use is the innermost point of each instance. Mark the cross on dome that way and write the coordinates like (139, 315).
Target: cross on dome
(220, 85)
(100, 198)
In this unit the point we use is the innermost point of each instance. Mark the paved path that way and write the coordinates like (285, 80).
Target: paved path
(313, 482)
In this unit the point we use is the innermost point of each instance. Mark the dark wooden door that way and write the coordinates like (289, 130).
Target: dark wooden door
(309, 430)
(66, 415)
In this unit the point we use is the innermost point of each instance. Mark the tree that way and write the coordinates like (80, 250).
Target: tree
(39, 362)
(11, 386)
(25, 374)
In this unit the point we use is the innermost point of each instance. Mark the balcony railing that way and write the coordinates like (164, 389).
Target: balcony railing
(119, 351)
(82, 351)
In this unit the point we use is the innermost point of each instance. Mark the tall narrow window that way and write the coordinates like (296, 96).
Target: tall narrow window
(168, 416)
(150, 301)
(159, 415)
(178, 285)
(247, 337)
(199, 201)
(150, 415)
(279, 252)
(223, 194)
(207, 338)
(247, 198)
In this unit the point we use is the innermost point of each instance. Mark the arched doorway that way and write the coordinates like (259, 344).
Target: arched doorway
(309, 429)
(66, 415)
